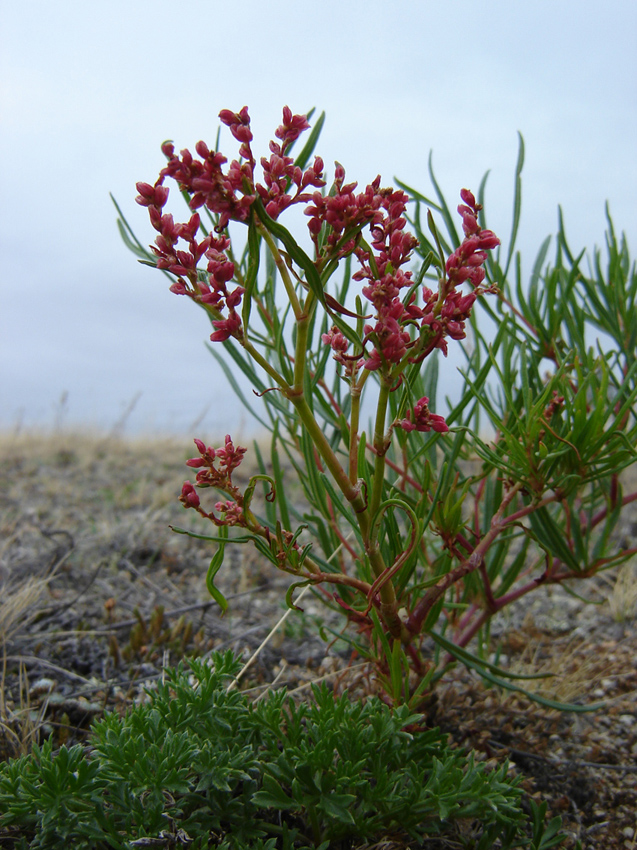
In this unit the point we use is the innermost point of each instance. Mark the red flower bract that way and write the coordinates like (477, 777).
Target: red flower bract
(423, 419)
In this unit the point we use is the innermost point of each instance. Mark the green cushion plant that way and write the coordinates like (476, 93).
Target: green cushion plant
(199, 765)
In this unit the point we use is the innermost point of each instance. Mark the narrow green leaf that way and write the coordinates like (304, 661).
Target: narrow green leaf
(213, 569)
(479, 663)
(517, 203)
(254, 250)
(281, 500)
(312, 277)
(308, 148)
(396, 670)
(551, 536)
(290, 593)
(233, 382)
(483, 669)
(444, 209)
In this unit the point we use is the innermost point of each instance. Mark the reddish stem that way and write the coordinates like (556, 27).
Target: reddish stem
(604, 512)
(419, 614)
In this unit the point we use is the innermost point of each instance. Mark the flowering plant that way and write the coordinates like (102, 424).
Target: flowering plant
(417, 528)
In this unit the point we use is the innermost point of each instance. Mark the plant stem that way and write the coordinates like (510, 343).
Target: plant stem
(419, 614)
(353, 432)
(283, 270)
(380, 447)
(272, 372)
(300, 352)
(352, 492)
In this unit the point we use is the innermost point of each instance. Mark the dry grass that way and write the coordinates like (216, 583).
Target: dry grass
(622, 593)
(70, 505)
(19, 605)
(96, 590)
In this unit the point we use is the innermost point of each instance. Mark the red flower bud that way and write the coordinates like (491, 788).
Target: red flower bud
(468, 197)
(189, 497)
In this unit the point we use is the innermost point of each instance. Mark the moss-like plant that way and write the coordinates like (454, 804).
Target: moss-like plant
(198, 765)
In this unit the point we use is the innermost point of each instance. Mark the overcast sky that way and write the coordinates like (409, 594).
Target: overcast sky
(90, 90)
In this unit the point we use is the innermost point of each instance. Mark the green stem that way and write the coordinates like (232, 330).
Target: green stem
(352, 492)
(379, 446)
(387, 592)
(260, 359)
(283, 271)
(353, 433)
(302, 330)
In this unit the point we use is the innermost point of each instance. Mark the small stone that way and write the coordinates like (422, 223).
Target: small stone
(628, 832)
(42, 686)
(626, 719)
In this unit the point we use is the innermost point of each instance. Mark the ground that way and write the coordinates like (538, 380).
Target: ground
(98, 594)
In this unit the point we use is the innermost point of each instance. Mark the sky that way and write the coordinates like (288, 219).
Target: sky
(88, 91)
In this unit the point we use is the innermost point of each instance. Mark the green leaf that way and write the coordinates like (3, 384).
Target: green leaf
(336, 806)
(281, 501)
(272, 795)
(551, 537)
(308, 148)
(254, 251)
(483, 668)
(213, 569)
(517, 202)
(312, 277)
(478, 663)
(289, 601)
(444, 208)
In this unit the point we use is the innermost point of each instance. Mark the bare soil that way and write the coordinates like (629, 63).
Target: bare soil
(99, 595)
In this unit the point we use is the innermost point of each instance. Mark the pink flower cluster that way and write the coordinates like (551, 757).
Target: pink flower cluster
(401, 329)
(385, 280)
(467, 261)
(184, 264)
(215, 470)
(443, 313)
(344, 212)
(384, 210)
(422, 419)
(446, 311)
(229, 196)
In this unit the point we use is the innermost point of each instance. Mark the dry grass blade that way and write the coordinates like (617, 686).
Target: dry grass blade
(264, 643)
(18, 605)
(20, 728)
(622, 599)
(18, 608)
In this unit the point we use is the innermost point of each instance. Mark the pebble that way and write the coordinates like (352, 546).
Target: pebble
(42, 686)
(628, 832)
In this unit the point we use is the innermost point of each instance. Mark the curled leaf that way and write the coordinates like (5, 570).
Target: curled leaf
(213, 569)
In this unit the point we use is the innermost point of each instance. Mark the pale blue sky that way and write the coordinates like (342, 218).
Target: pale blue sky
(90, 90)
